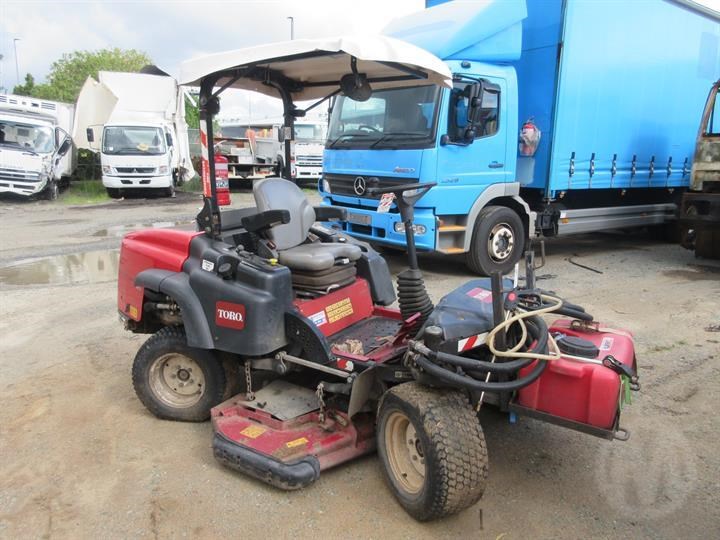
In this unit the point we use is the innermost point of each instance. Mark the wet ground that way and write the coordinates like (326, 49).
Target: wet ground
(81, 458)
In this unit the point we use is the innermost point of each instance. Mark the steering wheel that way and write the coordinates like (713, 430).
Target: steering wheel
(369, 128)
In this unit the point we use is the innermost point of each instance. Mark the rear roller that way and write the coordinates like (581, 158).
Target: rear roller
(432, 450)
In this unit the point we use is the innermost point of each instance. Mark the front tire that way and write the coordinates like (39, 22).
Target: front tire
(177, 382)
(113, 193)
(498, 241)
(432, 450)
(52, 191)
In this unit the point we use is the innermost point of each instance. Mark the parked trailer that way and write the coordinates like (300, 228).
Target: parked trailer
(36, 152)
(612, 89)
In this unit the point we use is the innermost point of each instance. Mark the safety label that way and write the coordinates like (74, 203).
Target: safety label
(208, 266)
(478, 293)
(297, 442)
(253, 432)
(339, 310)
(318, 318)
(606, 343)
(385, 203)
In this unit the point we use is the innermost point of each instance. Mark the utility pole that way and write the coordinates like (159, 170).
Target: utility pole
(292, 27)
(17, 67)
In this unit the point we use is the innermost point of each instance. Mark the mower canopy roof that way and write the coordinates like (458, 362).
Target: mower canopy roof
(313, 68)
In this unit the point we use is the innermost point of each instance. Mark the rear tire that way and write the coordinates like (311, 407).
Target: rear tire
(498, 241)
(177, 382)
(113, 193)
(432, 450)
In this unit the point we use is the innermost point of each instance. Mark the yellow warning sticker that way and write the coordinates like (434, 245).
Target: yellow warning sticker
(133, 312)
(253, 432)
(339, 310)
(297, 442)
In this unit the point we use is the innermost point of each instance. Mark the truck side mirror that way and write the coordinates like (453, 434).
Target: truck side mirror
(90, 134)
(168, 139)
(474, 103)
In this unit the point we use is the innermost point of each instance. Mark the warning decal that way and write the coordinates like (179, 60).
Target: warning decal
(318, 318)
(478, 293)
(297, 442)
(606, 343)
(253, 432)
(339, 310)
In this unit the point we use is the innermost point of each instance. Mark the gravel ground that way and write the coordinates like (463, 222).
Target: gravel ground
(83, 459)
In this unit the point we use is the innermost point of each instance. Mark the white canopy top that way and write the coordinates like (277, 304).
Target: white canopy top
(304, 61)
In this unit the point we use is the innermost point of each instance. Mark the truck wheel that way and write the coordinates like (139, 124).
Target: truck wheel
(113, 193)
(177, 382)
(432, 450)
(52, 191)
(498, 241)
(169, 191)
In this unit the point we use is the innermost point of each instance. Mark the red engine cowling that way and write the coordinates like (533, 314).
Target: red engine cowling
(166, 249)
(581, 392)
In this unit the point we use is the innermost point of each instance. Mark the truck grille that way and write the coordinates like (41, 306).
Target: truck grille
(308, 160)
(18, 175)
(135, 170)
(344, 184)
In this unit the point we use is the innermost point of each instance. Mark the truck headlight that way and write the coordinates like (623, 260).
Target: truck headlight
(163, 169)
(399, 227)
(107, 169)
(326, 186)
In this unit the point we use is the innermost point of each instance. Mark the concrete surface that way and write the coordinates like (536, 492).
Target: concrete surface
(81, 458)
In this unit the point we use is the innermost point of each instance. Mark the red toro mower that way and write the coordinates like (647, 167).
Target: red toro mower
(272, 302)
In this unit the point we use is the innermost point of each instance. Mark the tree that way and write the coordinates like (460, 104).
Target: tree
(192, 114)
(26, 89)
(68, 74)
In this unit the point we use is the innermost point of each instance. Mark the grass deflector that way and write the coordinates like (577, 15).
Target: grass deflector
(280, 328)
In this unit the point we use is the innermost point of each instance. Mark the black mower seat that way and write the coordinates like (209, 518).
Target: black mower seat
(317, 256)
(290, 239)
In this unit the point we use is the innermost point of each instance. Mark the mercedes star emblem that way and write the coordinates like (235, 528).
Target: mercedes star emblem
(359, 185)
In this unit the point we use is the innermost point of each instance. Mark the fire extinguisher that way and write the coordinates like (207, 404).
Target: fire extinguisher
(222, 182)
(529, 138)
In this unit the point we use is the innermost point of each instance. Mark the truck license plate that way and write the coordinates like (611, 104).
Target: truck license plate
(359, 219)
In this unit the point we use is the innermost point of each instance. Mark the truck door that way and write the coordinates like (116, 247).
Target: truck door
(472, 164)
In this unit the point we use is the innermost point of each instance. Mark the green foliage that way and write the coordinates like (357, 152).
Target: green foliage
(26, 89)
(68, 74)
(192, 114)
(84, 192)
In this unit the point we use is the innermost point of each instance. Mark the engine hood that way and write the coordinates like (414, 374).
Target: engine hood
(405, 163)
(21, 160)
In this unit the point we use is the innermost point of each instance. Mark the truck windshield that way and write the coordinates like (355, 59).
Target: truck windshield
(389, 119)
(133, 140)
(310, 132)
(36, 139)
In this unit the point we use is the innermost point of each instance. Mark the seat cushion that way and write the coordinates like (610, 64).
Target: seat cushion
(317, 256)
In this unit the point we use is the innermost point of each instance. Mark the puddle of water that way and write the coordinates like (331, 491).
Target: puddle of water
(89, 267)
(121, 230)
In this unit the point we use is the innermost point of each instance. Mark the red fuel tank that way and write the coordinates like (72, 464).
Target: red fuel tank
(583, 392)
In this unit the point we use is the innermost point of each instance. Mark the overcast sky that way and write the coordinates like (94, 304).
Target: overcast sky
(173, 31)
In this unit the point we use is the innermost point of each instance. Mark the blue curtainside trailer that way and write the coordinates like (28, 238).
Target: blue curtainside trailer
(566, 116)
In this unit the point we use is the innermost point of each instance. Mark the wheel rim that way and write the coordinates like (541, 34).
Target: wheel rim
(405, 453)
(501, 242)
(177, 380)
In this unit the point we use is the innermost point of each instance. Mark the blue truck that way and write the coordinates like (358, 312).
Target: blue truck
(565, 117)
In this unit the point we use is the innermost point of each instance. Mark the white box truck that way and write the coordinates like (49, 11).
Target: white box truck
(137, 122)
(36, 152)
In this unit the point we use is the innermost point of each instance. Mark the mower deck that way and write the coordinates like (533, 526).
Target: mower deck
(278, 437)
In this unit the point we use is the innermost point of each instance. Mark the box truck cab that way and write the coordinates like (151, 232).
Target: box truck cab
(137, 155)
(35, 151)
(564, 117)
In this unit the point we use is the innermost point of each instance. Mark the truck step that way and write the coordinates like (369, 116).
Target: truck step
(452, 250)
(451, 228)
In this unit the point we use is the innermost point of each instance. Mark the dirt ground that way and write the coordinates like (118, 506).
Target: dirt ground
(81, 458)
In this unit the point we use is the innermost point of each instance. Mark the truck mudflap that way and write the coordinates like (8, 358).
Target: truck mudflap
(288, 476)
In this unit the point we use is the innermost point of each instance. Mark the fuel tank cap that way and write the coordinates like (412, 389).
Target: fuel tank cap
(577, 346)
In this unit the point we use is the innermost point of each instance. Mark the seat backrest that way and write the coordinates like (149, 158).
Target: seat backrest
(281, 194)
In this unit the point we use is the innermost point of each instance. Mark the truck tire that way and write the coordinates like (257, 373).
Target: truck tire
(113, 193)
(498, 241)
(52, 191)
(177, 382)
(432, 450)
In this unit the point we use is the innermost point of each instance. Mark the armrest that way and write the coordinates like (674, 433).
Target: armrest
(328, 213)
(265, 220)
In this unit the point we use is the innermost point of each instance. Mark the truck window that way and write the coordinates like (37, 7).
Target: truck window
(458, 121)
(713, 126)
(39, 139)
(133, 140)
(390, 118)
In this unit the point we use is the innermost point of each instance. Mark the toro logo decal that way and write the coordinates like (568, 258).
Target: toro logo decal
(230, 315)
